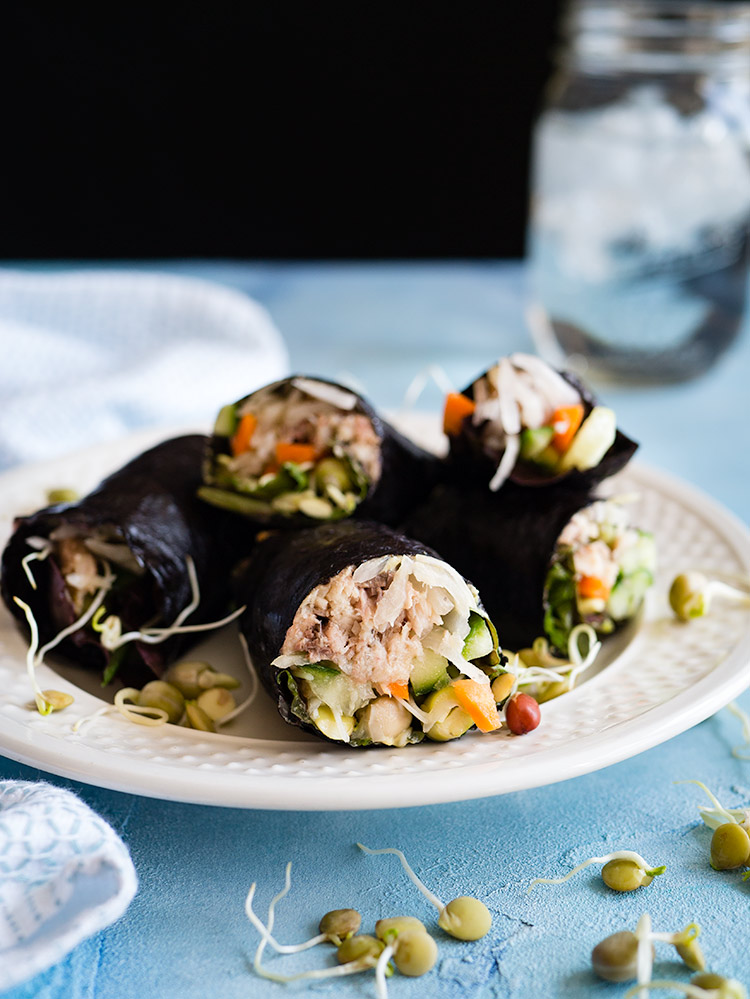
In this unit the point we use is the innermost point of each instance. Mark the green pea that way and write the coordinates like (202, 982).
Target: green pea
(332, 472)
(725, 988)
(615, 958)
(466, 918)
(186, 677)
(62, 496)
(415, 953)
(198, 718)
(688, 597)
(362, 948)
(159, 694)
(340, 924)
(730, 847)
(395, 925)
(624, 875)
(216, 702)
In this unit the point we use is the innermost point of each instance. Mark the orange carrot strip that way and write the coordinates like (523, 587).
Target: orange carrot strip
(398, 690)
(298, 453)
(244, 434)
(477, 701)
(566, 422)
(457, 408)
(591, 587)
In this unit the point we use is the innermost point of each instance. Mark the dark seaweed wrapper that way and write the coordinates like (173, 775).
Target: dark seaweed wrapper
(469, 462)
(283, 570)
(504, 543)
(151, 505)
(408, 472)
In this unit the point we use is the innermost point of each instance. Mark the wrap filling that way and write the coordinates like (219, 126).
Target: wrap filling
(392, 650)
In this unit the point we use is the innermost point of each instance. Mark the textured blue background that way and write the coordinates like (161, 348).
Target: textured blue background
(185, 934)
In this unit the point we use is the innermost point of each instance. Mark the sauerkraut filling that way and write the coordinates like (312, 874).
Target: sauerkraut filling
(392, 650)
(296, 449)
(524, 411)
(599, 573)
(97, 595)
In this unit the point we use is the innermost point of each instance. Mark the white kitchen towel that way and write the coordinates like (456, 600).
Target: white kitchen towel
(87, 356)
(64, 875)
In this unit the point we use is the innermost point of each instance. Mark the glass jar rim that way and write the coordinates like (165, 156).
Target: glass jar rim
(658, 35)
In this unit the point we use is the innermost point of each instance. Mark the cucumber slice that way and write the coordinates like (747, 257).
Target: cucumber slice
(226, 421)
(534, 440)
(627, 595)
(479, 640)
(429, 673)
(594, 438)
(641, 555)
(331, 726)
(232, 501)
(548, 459)
(450, 720)
(328, 686)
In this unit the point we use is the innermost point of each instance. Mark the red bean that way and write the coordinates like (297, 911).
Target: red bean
(522, 714)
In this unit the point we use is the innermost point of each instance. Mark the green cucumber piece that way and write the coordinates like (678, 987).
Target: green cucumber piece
(478, 642)
(548, 459)
(331, 687)
(641, 555)
(627, 594)
(534, 440)
(454, 721)
(429, 673)
(593, 439)
(226, 421)
(245, 505)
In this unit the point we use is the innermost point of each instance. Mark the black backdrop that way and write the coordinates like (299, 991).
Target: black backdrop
(270, 130)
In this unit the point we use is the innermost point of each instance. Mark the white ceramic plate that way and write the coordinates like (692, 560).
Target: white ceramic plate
(651, 684)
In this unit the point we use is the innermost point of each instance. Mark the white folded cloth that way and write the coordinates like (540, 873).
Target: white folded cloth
(87, 356)
(64, 875)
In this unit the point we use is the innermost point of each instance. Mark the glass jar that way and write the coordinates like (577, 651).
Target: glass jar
(641, 190)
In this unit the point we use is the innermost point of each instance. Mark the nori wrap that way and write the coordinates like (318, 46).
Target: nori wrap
(303, 588)
(149, 506)
(305, 451)
(507, 543)
(472, 457)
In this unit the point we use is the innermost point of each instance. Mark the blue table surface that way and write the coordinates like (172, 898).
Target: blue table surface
(185, 933)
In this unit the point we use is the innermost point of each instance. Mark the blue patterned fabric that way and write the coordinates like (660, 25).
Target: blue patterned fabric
(64, 875)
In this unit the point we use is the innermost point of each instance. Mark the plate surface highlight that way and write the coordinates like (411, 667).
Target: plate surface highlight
(651, 684)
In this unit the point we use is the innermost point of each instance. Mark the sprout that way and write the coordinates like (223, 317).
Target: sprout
(42, 550)
(465, 918)
(363, 963)
(35, 655)
(691, 593)
(111, 630)
(647, 871)
(718, 815)
(339, 925)
(716, 987)
(739, 751)
(625, 955)
(539, 669)
(126, 702)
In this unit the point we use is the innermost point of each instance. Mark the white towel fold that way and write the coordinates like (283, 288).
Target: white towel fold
(89, 356)
(64, 875)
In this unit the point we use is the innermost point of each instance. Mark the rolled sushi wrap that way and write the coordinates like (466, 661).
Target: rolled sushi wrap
(365, 637)
(525, 422)
(544, 561)
(306, 451)
(127, 544)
